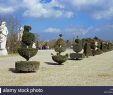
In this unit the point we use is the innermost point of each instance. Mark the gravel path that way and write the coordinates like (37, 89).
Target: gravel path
(92, 71)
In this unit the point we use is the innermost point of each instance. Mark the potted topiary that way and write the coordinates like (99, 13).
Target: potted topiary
(60, 47)
(77, 48)
(110, 46)
(87, 49)
(93, 45)
(98, 51)
(104, 46)
(27, 51)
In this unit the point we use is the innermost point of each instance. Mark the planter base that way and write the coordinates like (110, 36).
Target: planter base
(27, 66)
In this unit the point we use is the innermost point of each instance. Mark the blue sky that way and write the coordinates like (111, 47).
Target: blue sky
(48, 18)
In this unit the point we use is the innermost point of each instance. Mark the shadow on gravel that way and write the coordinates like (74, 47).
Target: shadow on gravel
(50, 63)
(14, 71)
(74, 59)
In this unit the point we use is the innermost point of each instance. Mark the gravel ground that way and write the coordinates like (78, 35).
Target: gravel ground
(92, 71)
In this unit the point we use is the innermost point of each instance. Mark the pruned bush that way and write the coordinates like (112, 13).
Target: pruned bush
(87, 49)
(60, 58)
(27, 53)
(28, 38)
(60, 47)
(110, 46)
(98, 52)
(27, 28)
(77, 48)
(27, 66)
(60, 42)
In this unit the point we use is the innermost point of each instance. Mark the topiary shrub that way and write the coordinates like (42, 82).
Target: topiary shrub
(77, 47)
(87, 49)
(109, 46)
(98, 50)
(59, 58)
(30, 66)
(104, 46)
(28, 38)
(60, 47)
(93, 47)
(27, 52)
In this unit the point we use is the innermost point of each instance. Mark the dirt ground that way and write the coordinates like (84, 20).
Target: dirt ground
(92, 71)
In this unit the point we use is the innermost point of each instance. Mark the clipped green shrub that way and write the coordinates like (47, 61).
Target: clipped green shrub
(60, 42)
(60, 58)
(60, 47)
(77, 41)
(103, 47)
(27, 66)
(27, 28)
(28, 38)
(27, 52)
(87, 49)
(98, 52)
(77, 48)
(92, 45)
(110, 46)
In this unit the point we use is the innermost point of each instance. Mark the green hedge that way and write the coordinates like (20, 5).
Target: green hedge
(60, 58)
(26, 66)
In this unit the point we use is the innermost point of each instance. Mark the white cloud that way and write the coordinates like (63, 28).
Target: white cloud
(85, 2)
(5, 10)
(52, 30)
(105, 14)
(103, 31)
(34, 8)
(77, 30)
(37, 9)
(9, 6)
(98, 9)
